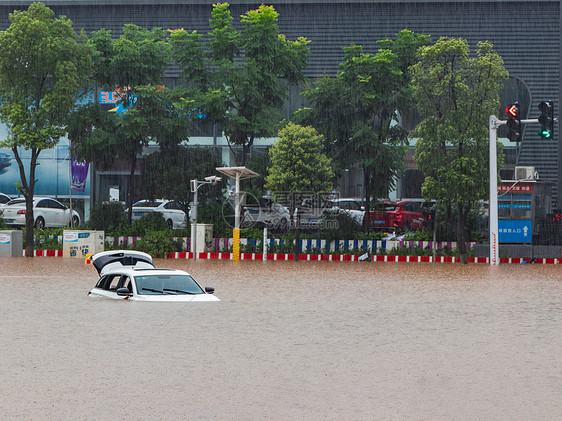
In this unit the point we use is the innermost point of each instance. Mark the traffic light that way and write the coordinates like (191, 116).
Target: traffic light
(546, 119)
(513, 122)
(429, 218)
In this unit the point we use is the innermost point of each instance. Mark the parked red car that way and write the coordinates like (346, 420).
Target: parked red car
(403, 214)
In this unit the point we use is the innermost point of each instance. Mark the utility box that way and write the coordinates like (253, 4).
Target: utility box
(81, 243)
(11, 243)
(204, 243)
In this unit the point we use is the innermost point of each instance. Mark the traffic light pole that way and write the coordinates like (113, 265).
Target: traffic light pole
(493, 207)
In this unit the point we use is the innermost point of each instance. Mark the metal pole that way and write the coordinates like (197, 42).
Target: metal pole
(265, 244)
(493, 207)
(434, 238)
(237, 203)
(194, 224)
(236, 231)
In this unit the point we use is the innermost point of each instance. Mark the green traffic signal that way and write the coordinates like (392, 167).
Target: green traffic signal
(546, 119)
(545, 133)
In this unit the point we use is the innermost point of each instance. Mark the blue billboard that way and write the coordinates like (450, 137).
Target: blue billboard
(54, 173)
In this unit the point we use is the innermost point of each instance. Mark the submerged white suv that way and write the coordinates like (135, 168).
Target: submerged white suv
(131, 275)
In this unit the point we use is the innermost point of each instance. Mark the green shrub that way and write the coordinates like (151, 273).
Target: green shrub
(157, 244)
(46, 242)
(222, 218)
(108, 217)
(152, 221)
(418, 235)
(338, 225)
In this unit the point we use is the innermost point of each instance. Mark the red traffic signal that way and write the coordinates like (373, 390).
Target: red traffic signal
(512, 110)
(513, 122)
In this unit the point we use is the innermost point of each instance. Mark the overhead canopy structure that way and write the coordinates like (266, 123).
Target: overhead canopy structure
(237, 172)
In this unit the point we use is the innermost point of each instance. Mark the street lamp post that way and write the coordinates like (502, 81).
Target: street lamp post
(195, 184)
(237, 173)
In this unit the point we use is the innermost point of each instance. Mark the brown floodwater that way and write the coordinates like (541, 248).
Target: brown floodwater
(288, 341)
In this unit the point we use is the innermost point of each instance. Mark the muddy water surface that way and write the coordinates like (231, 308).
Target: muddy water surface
(289, 340)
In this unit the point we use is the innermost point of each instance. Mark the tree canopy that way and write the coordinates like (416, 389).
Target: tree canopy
(358, 110)
(243, 74)
(132, 65)
(297, 162)
(44, 69)
(456, 93)
(168, 172)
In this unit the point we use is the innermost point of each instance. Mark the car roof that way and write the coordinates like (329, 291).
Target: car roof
(158, 201)
(35, 199)
(111, 260)
(345, 199)
(136, 271)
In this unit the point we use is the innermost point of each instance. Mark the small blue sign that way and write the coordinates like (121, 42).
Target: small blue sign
(514, 206)
(511, 231)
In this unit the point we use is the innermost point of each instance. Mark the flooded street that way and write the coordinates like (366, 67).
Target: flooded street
(289, 340)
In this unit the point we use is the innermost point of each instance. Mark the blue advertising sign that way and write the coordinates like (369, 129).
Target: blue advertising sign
(56, 174)
(518, 231)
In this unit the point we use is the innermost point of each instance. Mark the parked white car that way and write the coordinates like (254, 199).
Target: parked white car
(4, 198)
(131, 275)
(170, 209)
(47, 213)
(352, 207)
(267, 213)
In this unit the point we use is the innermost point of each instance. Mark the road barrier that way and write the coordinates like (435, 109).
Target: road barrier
(332, 257)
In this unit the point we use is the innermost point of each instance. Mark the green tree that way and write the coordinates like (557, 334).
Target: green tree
(134, 66)
(298, 162)
(358, 111)
(168, 172)
(44, 69)
(456, 94)
(242, 75)
(298, 165)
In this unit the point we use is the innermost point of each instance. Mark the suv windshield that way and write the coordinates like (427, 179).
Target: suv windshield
(167, 284)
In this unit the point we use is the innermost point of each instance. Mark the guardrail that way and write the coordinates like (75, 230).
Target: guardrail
(333, 258)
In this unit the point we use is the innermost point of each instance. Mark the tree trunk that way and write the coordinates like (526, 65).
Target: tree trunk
(131, 188)
(367, 217)
(461, 238)
(297, 222)
(28, 189)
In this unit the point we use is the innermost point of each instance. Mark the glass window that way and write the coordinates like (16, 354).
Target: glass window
(55, 205)
(167, 284)
(113, 283)
(126, 283)
(172, 205)
(408, 207)
(351, 205)
(108, 282)
(101, 282)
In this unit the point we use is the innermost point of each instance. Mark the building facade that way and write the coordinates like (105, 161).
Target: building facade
(526, 34)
